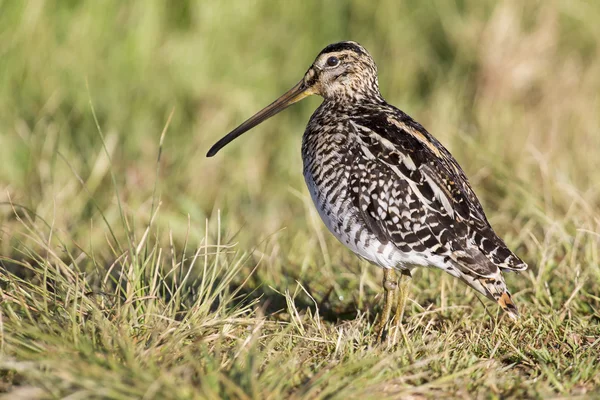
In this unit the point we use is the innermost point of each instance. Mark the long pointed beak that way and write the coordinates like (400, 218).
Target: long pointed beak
(295, 94)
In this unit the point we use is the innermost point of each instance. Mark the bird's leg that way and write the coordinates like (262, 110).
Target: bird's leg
(390, 284)
(403, 289)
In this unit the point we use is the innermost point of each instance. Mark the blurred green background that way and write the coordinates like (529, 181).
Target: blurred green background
(510, 87)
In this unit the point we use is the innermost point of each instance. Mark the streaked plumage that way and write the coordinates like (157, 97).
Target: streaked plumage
(383, 185)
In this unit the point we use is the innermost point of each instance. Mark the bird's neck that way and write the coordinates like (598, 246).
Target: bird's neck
(357, 99)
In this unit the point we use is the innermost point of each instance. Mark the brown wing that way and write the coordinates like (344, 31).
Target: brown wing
(413, 193)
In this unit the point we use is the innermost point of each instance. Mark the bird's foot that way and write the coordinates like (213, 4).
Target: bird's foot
(403, 289)
(390, 284)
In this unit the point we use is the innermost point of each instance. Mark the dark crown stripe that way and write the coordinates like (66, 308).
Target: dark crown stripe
(332, 48)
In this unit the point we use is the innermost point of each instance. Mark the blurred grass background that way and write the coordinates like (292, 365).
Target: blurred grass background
(511, 88)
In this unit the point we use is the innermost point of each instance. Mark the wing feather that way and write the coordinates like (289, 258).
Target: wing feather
(414, 194)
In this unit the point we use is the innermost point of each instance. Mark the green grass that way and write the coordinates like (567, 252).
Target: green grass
(134, 267)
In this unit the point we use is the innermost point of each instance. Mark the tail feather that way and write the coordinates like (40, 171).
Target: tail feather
(496, 290)
(505, 301)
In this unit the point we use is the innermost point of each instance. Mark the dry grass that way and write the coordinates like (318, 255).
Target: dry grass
(122, 279)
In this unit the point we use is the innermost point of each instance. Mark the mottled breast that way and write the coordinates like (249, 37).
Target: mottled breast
(330, 157)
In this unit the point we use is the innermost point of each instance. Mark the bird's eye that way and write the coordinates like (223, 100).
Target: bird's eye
(333, 61)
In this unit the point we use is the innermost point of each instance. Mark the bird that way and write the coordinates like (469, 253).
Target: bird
(386, 188)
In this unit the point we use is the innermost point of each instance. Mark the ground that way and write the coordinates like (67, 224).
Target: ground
(134, 267)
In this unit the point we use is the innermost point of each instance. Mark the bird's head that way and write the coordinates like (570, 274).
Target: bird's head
(343, 72)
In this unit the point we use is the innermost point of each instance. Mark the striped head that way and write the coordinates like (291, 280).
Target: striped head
(343, 73)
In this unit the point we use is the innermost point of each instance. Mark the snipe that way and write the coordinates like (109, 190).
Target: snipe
(385, 187)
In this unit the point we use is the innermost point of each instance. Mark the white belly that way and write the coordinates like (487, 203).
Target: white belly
(342, 222)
